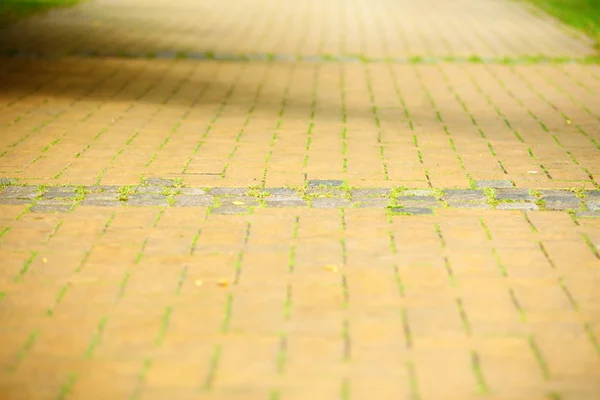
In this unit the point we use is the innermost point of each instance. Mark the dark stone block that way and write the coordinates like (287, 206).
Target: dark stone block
(222, 191)
(328, 183)
(326, 192)
(496, 184)
(375, 192)
(281, 192)
(61, 189)
(103, 189)
(285, 203)
(7, 181)
(593, 205)
(593, 194)
(101, 202)
(372, 202)
(527, 205)
(412, 210)
(60, 192)
(147, 200)
(464, 195)
(192, 191)
(558, 195)
(20, 192)
(277, 198)
(469, 205)
(588, 214)
(514, 194)
(417, 199)
(149, 189)
(330, 202)
(419, 192)
(559, 205)
(10, 200)
(105, 196)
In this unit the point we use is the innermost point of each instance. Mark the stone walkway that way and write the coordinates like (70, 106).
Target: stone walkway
(299, 200)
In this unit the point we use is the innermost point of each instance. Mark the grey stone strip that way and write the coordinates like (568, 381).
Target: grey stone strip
(322, 194)
(315, 58)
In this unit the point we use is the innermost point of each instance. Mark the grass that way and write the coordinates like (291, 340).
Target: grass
(583, 15)
(11, 10)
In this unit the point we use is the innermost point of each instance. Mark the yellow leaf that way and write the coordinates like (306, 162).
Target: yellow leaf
(223, 282)
(331, 268)
(198, 282)
(238, 203)
(45, 260)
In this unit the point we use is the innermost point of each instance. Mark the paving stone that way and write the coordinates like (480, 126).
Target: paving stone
(588, 214)
(56, 193)
(51, 208)
(559, 200)
(60, 189)
(229, 209)
(464, 195)
(281, 192)
(101, 202)
(374, 192)
(593, 194)
(149, 189)
(419, 192)
(326, 191)
(247, 200)
(328, 183)
(43, 201)
(192, 191)
(528, 205)
(421, 200)
(514, 194)
(555, 195)
(10, 200)
(372, 202)
(285, 203)
(493, 184)
(193, 201)
(290, 197)
(469, 205)
(144, 199)
(330, 202)
(111, 196)
(593, 205)
(412, 210)
(103, 189)
(20, 192)
(559, 205)
(223, 191)
(160, 182)
(7, 181)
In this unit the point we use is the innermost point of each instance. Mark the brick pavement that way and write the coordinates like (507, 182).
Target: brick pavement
(291, 200)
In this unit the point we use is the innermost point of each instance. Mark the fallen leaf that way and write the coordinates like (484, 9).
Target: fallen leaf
(199, 282)
(223, 282)
(568, 121)
(331, 268)
(45, 260)
(532, 172)
(238, 203)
